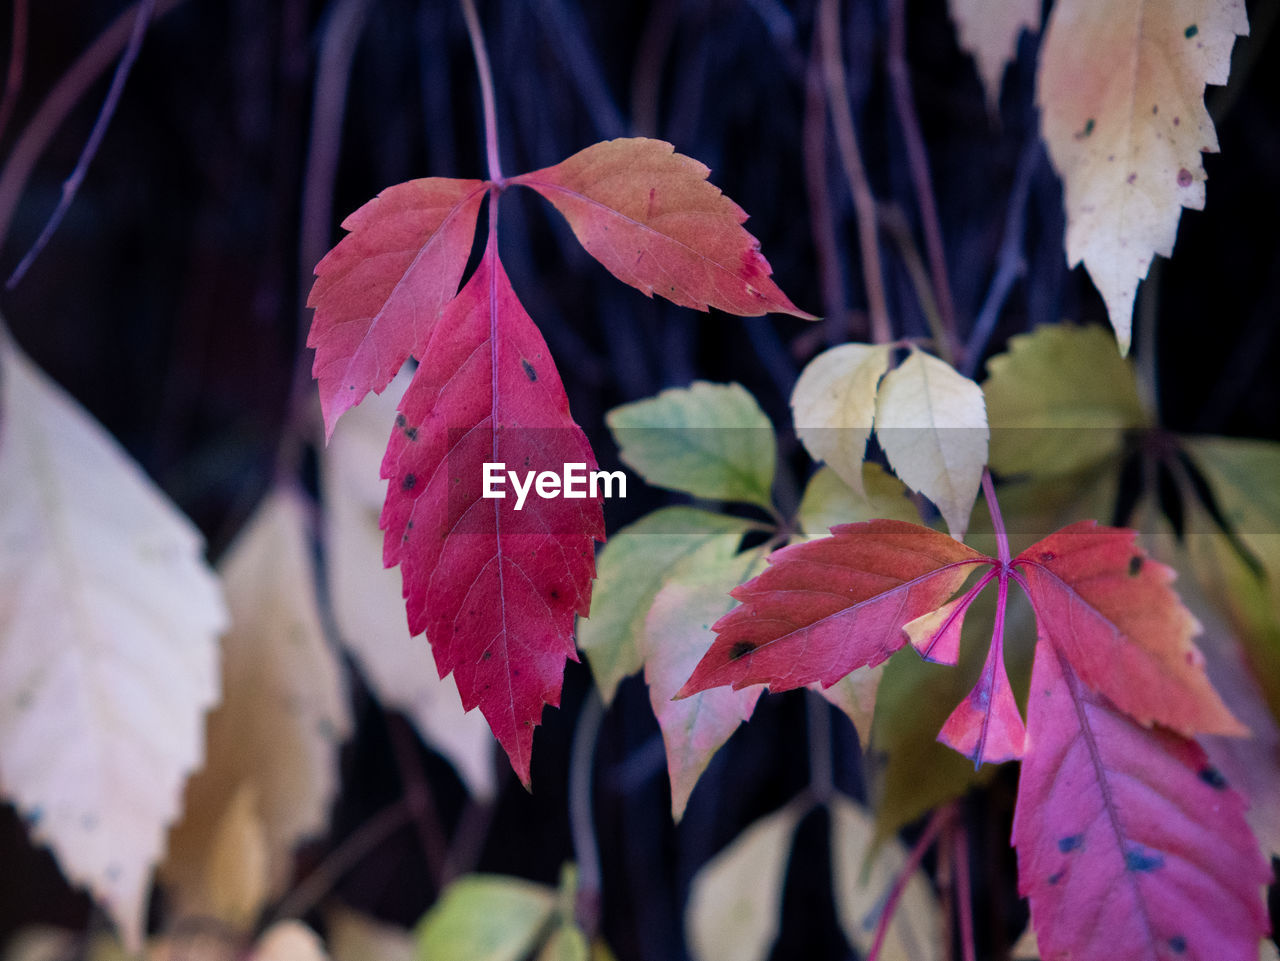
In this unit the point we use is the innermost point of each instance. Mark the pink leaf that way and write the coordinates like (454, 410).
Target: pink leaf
(1129, 845)
(380, 291)
(495, 588)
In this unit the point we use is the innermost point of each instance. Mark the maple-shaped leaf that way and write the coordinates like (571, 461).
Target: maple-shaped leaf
(1110, 611)
(650, 216)
(495, 587)
(1129, 844)
(827, 606)
(989, 31)
(1121, 95)
(379, 293)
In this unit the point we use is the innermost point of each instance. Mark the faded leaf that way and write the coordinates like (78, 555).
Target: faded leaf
(1121, 95)
(828, 501)
(677, 632)
(735, 903)
(235, 884)
(932, 425)
(855, 695)
(834, 404)
(631, 569)
(283, 716)
(108, 643)
(915, 933)
(651, 218)
(485, 917)
(288, 940)
(989, 30)
(1060, 401)
(357, 937)
(566, 943)
(367, 603)
(709, 440)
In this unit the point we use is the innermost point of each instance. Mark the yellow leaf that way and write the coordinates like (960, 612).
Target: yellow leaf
(829, 501)
(236, 874)
(989, 30)
(834, 404)
(932, 424)
(356, 937)
(108, 643)
(368, 605)
(284, 711)
(736, 900)
(1121, 95)
(855, 695)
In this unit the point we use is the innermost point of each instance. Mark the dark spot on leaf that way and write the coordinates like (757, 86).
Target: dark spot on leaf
(400, 421)
(89, 821)
(528, 370)
(740, 650)
(408, 482)
(1135, 859)
(555, 594)
(1191, 31)
(1155, 109)
(1131, 178)
(515, 672)
(486, 655)
(1213, 777)
(1176, 121)
(1047, 556)
(409, 525)
(411, 433)
(1055, 877)
(1178, 943)
(1184, 177)
(1088, 129)
(1135, 565)
(1071, 842)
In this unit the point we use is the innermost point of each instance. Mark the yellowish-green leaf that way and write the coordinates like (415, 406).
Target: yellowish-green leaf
(735, 904)
(486, 917)
(829, 501)
(235, 883)
(1059, 401)
(677, 633)
(109, 620)
(989, 30)
(367, 602)
(1027, 948)
(861, 890)
(357, 937)
(932, 425)
(566, 943)
(709, 440)
(855, 695)
(834, 405)
(1121, 94)
(630, 570)
(283, 717)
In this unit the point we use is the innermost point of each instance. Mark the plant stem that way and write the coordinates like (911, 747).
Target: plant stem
(146, 10)
(940, 817)
(997, 521)
(586, 850)
(476, 33)
(821, 777)
(851, 157)
(964, 893)
(17, 63)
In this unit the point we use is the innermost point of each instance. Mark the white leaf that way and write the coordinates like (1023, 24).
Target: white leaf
(283, 715)
(834, 404)
(932, 424)
(735, 904)
(989, 30)
(108, 643)
(368, 604)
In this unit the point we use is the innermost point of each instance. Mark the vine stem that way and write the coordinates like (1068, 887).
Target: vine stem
(17, 63)
(586, 851)
(997, 521)
(864, 202)
(940, 818)
(476, 33)
(71, 186)
(964, 892)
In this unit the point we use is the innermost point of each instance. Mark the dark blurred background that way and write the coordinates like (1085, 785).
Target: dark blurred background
(169, 302)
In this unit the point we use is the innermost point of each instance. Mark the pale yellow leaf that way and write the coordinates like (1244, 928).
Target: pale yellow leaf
(932, 424)
(1121, 95)
(284, 711)
(989, 30)
(915, 932)
(288, 941)
(1027, 948)
(368, 605)
(834, 404)
(357, 937)
(236, 873)
(109, 620)
(855, 695)
(735, 904)
(829, 501)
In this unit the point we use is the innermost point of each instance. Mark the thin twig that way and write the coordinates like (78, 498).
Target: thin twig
(939, 818)
(586, 849)
(821, 776)
(918, 162)
(476, 33)
(851, 157)
(17, 63)
(146, 10)
(418, 797)
(894, 222)
(964, 892)
(825, 240)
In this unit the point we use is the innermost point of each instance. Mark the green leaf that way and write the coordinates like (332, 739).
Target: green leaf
(829, 501)
(1060, 401)
(834, 404)
(485, 917)
(708, 440)
(566, 943)
(1245, 478)
(631, 569)
(861, 890)
(855, 695)
(932, 425)
(735, 904)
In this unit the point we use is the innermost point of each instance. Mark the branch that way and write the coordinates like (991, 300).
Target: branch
(17, 63)
(476, 33)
